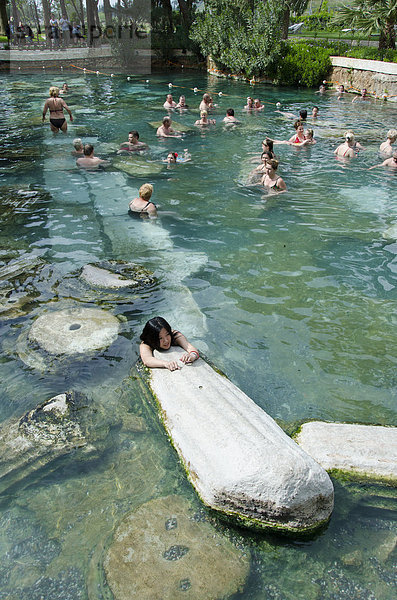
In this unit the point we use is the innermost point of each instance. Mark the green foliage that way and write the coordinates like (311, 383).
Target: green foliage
(371, 16)
(243, 37)
(318, 20)
(367, 53)
(303, 64)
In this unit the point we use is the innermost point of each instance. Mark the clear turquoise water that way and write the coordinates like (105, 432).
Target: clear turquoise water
(292, 296)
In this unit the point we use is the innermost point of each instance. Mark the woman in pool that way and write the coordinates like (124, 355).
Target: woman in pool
(250, 104)
(271, 180)
(56, 105)
(386, 148)
(143, 204)
(300, 135)
(204, 120)
(256, 175)
(309, 141)
(158, 335)
(349, 148)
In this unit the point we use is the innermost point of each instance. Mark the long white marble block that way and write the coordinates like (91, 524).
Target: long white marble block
(236, 456)
(367, 450)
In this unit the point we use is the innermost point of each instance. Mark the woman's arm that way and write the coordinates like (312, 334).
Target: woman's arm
(192, 353)
(45, 108)
(66, 107)
(150, 361)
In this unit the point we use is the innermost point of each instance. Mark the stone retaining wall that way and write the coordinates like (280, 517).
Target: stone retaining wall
(379, 78)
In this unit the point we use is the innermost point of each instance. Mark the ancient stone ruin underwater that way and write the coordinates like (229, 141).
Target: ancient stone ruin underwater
(292, 297)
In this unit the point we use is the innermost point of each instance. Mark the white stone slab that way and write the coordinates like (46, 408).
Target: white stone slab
(368, 450)
(236, 456)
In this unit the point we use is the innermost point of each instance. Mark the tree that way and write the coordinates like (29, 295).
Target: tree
(295, 6)
(3, 16)
(371, 16)
(244, 36)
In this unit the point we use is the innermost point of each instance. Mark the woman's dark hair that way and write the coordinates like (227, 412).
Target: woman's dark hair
(88, 149)
(303, 114)
(298, 123)
(151, 332)
(269, 155)
(269, 144)
(230, 112)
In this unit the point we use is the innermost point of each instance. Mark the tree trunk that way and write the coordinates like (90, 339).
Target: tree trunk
(168, 10)
(387, 38)
(46, 15)
(108, 12)
(285, 23)
(3, 17)
(184, 8)
(63, 9)
(37, 18)
(15, 14)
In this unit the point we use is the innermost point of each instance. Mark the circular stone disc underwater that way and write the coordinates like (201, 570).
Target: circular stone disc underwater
(161, 552)
(74, 330)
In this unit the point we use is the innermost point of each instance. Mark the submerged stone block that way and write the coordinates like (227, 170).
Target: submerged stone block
(366, 450)
(162, 552)
(236, 456)
(75, 330)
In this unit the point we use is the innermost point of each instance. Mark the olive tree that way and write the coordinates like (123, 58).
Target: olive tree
(244, 37)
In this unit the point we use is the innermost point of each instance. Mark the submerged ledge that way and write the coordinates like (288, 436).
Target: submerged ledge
(364, 451)
(238, 459)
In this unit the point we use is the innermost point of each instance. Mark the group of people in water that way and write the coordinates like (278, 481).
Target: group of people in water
(157, 334)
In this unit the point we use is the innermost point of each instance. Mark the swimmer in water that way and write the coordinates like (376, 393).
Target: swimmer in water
(158, 335)
(169, 102)
(271, 180)
(78, 147)
(389, 162)
(363, 96)
(204, 121)
(142, 204)
(165, 130)
(206, 103)
(386, 147)
(346, 150)
(230, 119)
(133, 144)
(89, 161)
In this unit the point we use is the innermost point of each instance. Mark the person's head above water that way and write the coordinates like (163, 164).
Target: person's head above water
(172, 156)
(203, 114)
(303, 114)
(230, 112)
(349, 137)
(54, 91)
(88, 149)
(267, 143)
(133, 135)
(392, 135)
(157, 334)
(298, 123)
(167, 121)
(146, 191)
(78, 144)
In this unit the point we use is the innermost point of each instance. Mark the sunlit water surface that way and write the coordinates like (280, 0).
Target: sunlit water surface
(292, 296)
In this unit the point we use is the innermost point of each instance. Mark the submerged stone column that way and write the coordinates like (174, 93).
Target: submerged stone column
(239, 460)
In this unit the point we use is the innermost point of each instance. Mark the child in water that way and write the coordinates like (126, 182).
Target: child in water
(158, 335)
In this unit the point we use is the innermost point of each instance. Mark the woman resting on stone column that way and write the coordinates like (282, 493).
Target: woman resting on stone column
(158, 335)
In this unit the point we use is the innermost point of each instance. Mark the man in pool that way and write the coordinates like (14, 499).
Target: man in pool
(230, 119)
(165, 130)
(363, 96)
(133, 144)
(389, 162)
(89, 161)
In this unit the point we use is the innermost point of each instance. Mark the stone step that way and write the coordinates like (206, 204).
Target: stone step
(239, 460)
(368, 451)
